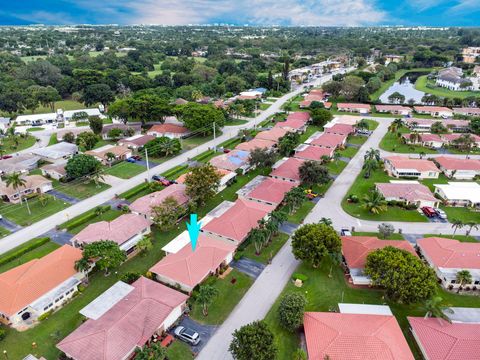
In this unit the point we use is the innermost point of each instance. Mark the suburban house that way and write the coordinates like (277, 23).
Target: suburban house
(131, 128)
(447, 257)
(143, 206)
(136, 141)
(351, 107)
(368, 331)
(340, 129)
(328, 140)
(394, 109)
(187, 268)
(234, 224)
(274, 134)
(411, 192)
(425, 125)
(227, 177)
(287, 169)
(459, 193)
(393, 59)
(38, 286)
(52, 153)
(256, 143)
(126, 230)
(21, 163)
(452, 79)
(402, 166)
(317, 95)
(456, 168)
(172, 131)
(355, 250)
(34, 184)
(4, 123)
(266, 190)
(101, 154)
(451, 138)
(299, 115)
(439, 339)
(54, 171)
(435, 111)
(467, 111)
(311, 152)
(433, 141)
(68, 115)
(296, 121)
(236, 160)
(470, 54)
(36, 119)
(122, 319)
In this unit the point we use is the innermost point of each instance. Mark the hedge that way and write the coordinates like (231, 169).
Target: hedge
(81, 219)
(298, 276)
(133, 191)
(204, 155)
(25, 249)
(169, 173)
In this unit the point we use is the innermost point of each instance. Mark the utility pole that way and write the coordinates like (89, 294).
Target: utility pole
(214, 136)
(148, 165)
(28, 207)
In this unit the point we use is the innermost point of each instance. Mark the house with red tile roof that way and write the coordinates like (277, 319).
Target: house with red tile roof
(299, 115)
(447, 257)
(439, 339)
(129, 320)
(451, 138)
(435, 111)
(347, 336)
(457, 168)
(355, 250)
(136, 141)
(394, 109)
(287, 169)
(434, 141)
(403, 166)
(256, 143)
(126, 230)
(234, 224)
(187, 268)
(426, 124)
(311, 152)
(119, 152)
(169, 130)
(266, 190)
(38, 286)
(411, 192)
(274, 134)
(340, 129)
(309, 99)
(352, 107)
(227, 177)
(296, 121)
(235, 160)
(468, 111)
(32, 184)
(328, 140)
(143, 206)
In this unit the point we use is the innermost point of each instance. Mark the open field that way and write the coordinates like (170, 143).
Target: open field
(80, 190)
(8, 145)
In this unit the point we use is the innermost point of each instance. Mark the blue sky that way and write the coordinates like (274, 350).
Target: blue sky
(254, 12)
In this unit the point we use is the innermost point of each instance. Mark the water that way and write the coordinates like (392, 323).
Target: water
(405, 86)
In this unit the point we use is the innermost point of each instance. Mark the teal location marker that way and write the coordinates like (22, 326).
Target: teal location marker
(194, 230)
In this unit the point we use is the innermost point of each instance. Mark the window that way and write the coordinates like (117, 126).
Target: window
(453, 282)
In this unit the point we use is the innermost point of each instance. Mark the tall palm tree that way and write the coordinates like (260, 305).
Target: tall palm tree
(83, 265)
(326, 221)
(368, 166)
(205, 296)
(257, 236)
(372, 154)
(170, 147)
(414, 137)
(374, 202)
(471, 225)
(463, 277)
(294, 199)
(110, 157)
(97, 176)
(434, 308)
(456, 225)
(15, 181)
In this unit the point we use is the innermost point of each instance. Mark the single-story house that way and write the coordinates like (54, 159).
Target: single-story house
(311, 152)
(266, 190)
(54, 171)
(37, 119)
(411, 192)
(351, 107)
(447, 257)
(340, 129)
(124, 318)
(126, 230)
(227, 177)
(355, 250)
(451, 138)
(73, 130)
(274, 134)
(234, 224)
(21, 163)
(293, 124)
(394, 109)
(251, 94)
(343, 119)
(425, 125)
(120, 152)
(439, 339)
(367, 335)
(402, 166)
(468, 111)
(433, 141)
(61, 150)
(136, 141)
(236, 160)
(4, 123)
(328, 140)
(459, 193)
(34, 184)
(38, 286)
(69, 114)
(256, 143)
(187, 268)
(287, 169)
(457, 168)
(172, 131)
(143, 206)
(309, 99)
(133, 128)
(435, 111)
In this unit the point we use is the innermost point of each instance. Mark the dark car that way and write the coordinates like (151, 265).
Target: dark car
(137, 157)
(131, 160)
(162, 180)
(5, 157)
(121, 206)
(187, 335)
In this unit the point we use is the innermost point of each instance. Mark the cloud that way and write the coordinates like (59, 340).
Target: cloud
(466, 5)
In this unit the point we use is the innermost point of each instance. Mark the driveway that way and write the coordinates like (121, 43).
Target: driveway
(248, 266)
(9, 225)
(288, 227)
(205, 332)
(58, 236)
(64, 197)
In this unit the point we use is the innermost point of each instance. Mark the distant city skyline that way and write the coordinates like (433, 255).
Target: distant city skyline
(252, 12)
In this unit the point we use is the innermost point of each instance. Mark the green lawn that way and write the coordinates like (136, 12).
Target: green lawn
(357, 140)
(53, 139)
(106, 216)
(393, 142)
(3, 232)
(80, 189)
(348, 152)
(235, 122)
(228, 297)
(461, 213)
(267, 252)
(395, 236)
(461, 238)
(33, 129)
(311, 129)
(336, 167)
(194, 141)
(264, 106)
(23, 143)
(62, 104)
(179, 351)
(398, 75)
(428, 86)
(125, 170)
(372, 124)
(301, 214)
(37, 253)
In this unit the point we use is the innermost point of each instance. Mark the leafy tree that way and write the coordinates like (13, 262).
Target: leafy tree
(475, 125)
(374, 202)
(385, 230)
(69, 137)
(87, 140)
(130, 277)
(438, 128)
(163, 145)
(154, 351)
(198, 117)
(144, 245)
(205, 296)
(148, 107)
(115, 134)
(320, 116)
(405, 278)
(262, 157)
(96, 124)
(312, 172)
(83, 265)
(122, 110)
(300, 354)
(374, 83)
(288, 142)
(312, 242)
(202, 183)
(107, 254)
(463, 277)
(253, 341)
(294, 199)
(290, 311)
(166, 215)
(47, 96)
(81, 165)
(350, 86)
(397, 98)
(42, 72)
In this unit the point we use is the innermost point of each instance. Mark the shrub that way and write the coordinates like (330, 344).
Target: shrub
(16, 254)
(238, 255)
(299, 276)
(290, 311)
(134, 191)
(45, 315)
(130, 277)
(3, 334)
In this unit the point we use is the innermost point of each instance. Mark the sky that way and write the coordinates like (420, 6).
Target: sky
(240, 12)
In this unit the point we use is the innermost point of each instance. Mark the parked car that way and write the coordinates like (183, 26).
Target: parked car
(187, 335)
(364, 132)
(4, 157)
(226, 151)
(429, 211)
(162, 180)
(121, 206)
(441, 214)
(131, 160)
(345, 232)
(137, 157)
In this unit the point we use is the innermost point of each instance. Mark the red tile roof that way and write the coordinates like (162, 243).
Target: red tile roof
(451, 137)
(315, 153)
(192, 267)
(130, 323)
(392, 108)
(330, 140)
(452, 163)
(406, 191)
(272, 135)
(144, 204)
(344, 129)
(426, 138)
(255, 143)
(139, 141)
(404, 162)
(26, 283)
(237, 221)
(291, 124)
(441, 340)
(448, 253)
(354, 337)
(353, 106)
(231, 161)
(467, 111)
(168, 128)
(271, 190)
(431, 109)
(299, 115)
(288, 169)
(356, 248)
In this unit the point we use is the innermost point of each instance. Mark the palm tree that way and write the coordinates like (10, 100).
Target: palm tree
(279, 217)
(97, 176)
(336, 156)
(326, 221)
(294, 199)
(362, 124)
(471, 225)
(83, 265)
(456, 224)
(414, 137)
(395, 125)
(372, 154)
(421, 154)
(257, 236)
(374, 202)
(15, 181)
(154, 351)
(43, 199)
(434, 308)
(110, 157)
(205, 296)
(170, 147)
(368, 166)
(463, 277)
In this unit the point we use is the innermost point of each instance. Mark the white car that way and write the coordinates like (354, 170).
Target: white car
(441, 214)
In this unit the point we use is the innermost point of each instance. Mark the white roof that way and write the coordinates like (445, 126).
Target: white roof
(461, 191)
(107, 300)
(250, 93)
(56, 151)
(34, 117)
(364, 309)
(90, 112)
